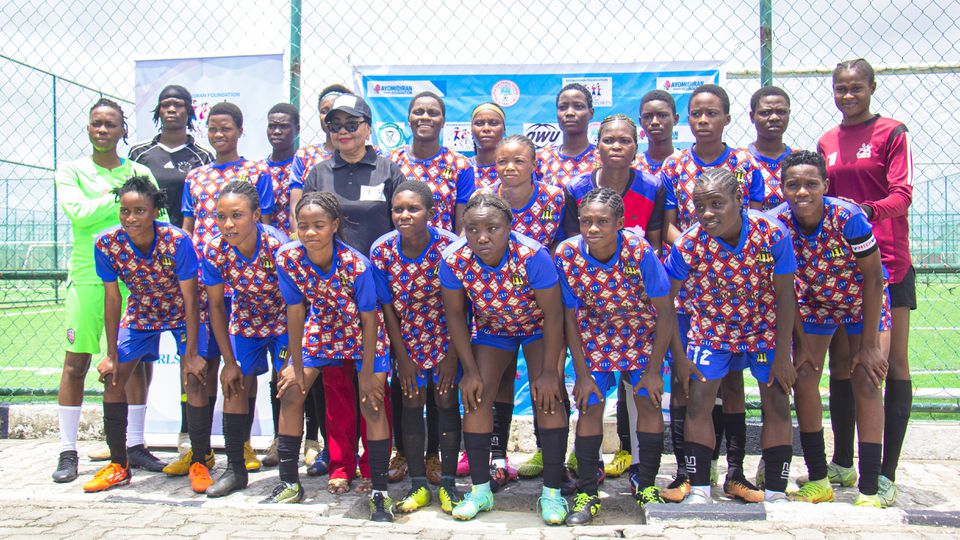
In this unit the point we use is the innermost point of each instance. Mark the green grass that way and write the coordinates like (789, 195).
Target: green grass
(32, 338)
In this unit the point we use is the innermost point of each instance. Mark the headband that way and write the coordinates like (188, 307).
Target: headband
(488, 107)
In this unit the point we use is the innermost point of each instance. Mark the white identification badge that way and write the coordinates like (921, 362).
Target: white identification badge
(372, 193)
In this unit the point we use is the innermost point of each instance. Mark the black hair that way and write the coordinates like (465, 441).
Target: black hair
(579, 88)
(178, 92)
(229, 109)
(141, 184)
(764, 92)
(605, 196)
(337, 89)
(857, 64)
(725, 178)
(618, 118)
(489, 200)
(289, 110)
(327, 202)
(715, 90)
(520, 139)
(244, 189)
(428, 94)
(104, 102)
(804, 157)
(418, 188)
(658, 95)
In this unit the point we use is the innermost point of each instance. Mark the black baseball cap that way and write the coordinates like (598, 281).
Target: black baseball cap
(350, 104)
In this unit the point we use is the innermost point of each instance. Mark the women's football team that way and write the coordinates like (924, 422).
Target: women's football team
(693, 264)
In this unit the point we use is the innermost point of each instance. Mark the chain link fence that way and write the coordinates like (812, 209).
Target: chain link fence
(56, 58)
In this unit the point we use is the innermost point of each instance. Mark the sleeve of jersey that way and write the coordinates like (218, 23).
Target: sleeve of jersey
(80, 208)
(670, 197)
(211, 272)
(784, 259)
(365, 290)
(384, 294)
(899, 178)
(570, 299)
(656, 218)
(675, 265)
(756, 184)
(859, 233)
(265, 190)
(447, 278)
(299, 167)
(186, 260)
(466, 185)
(541, 271)
(104, 267)
(655, 280)
(291, 293)
(186, 201)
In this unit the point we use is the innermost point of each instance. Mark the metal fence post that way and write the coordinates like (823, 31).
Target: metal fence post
(766, 42)
(56, 225)
(295, 6)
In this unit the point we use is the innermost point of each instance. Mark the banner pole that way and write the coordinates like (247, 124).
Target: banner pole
(766, 42)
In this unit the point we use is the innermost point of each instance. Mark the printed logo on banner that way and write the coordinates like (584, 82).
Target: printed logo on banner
(683, 85)
(505, 93)
(389, 135)
(601, 89)
(458, 136)
(543, 135)
(593, 132)
(394, 89)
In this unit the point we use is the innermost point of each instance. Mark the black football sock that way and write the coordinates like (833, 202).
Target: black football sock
(413, 434)
(678, 417)
(717, 430)
(843, 420)
(650, 448)
(184, 426)
(814, 454)
(776, 460)
(288, 450)
(379, 452)
(697, 461)
(623, 420)
(115, 430)
(234, 428)
(869, 467)
(312, 425)
(735, 429)
(477, 446)
(433, 423)
(502, 418)
(275, 408)
(449, 426)
(554, 451)
(587, 450)
(199, 428)
(896, 410)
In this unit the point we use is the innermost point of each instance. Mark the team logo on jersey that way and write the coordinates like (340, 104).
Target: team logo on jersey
(166, 261)
(517, 280)
(266, 263)
(837, 252)
(762, 358)
(547, 214)
(631, 270)
(71, 335)
(740, 174)
(865, 151)
(765, 256)
(184, 166)
(242, 177)
(447, 173)
(505, 93)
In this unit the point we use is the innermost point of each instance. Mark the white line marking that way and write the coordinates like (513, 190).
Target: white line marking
(29, 312)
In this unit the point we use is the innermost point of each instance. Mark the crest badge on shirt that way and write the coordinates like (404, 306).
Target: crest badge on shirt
(865, 151)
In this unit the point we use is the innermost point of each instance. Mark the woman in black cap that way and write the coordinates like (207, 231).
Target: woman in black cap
(170, 155)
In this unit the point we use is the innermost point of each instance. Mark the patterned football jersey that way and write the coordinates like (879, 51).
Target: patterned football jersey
(731, 287)
(281, 174)
(449, 175)
(484, 175)
(829, 283)
(680, 172)
(558, 169)
(612, 300)
(502, 298)
(304, 160)
(337, 298)
(770, 170)
(202, 190)
(153, 279)
(414, 286)
(647, 165)
(541, 218)
(258, 309)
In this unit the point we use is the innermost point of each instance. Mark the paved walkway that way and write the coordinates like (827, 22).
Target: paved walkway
(157, 506)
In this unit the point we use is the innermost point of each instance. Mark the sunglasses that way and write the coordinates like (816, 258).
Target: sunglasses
(351, 127)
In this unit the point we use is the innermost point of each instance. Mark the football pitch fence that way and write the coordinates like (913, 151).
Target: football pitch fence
(58, 57)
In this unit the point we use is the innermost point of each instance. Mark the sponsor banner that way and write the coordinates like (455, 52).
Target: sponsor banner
(527, 93)
(211, 80)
